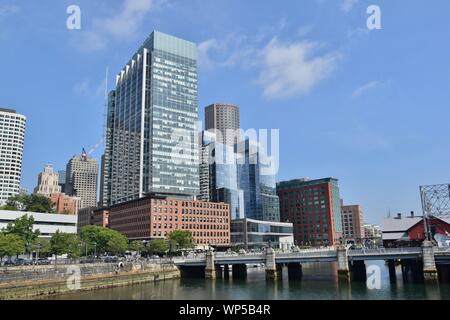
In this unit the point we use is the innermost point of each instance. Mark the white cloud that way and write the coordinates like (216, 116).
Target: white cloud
(347, 5)
(231, 51)
(121, 26)
(204, 51)
(292, 69)
(284, 69)
(128, 20)
(364, 88)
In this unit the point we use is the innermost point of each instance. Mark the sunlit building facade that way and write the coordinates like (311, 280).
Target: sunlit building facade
(12, 136)
(152, 139)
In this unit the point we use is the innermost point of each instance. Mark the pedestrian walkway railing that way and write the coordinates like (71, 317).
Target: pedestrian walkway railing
(381, 251)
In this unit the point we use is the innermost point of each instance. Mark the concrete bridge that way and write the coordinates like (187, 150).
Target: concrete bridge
(420, 261)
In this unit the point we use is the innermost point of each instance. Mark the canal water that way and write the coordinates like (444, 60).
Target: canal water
(319, 282)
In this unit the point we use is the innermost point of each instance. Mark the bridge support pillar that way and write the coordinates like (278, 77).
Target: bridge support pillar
(392, 273)
(343, 268)
(429, 264)
(210, 269)
(239, 271)
(271, 267)
(359, 271)
(226, 271)
(444, 273)
(406, 270)
(295, 271)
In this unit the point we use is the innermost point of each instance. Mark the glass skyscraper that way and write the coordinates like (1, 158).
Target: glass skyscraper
(260, 197)
(219, 172)
(151, 135)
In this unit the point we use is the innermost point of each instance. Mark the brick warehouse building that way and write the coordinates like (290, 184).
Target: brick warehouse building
(314, 208)
(155, 217)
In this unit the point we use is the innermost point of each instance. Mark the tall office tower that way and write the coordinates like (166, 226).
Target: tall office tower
(352, 222)
(153, 132)
(218, 175)
(314, 207)
(257, 183)
(48, 182)
(62, 180)
(223, 119)
(12, 136)
(81, 179)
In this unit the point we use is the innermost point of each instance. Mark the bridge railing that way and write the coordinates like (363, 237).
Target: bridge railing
(308, 253)
(384, 251)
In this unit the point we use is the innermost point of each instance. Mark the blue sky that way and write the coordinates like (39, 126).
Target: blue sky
(367, 107)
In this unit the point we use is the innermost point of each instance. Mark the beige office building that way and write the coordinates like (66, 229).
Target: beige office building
(47, 182)
(352, 222)
(223, 120)
(81, 179)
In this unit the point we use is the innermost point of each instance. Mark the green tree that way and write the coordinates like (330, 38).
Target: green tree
(182, 238)
(23, 228)
(41, 246)
(158, 246)
(117, 243)
(10, 245)
(136, 246)
(31, 203)
(103, 239)
(65, 243)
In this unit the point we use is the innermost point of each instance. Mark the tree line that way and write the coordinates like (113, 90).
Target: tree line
(19, 237)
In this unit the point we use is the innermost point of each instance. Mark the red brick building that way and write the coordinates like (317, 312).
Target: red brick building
(93, 216)
(409, 230)
(314, 208)
(155, 217)
(64, 203)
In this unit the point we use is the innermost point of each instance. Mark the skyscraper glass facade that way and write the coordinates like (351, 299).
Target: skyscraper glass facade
(260, 198)
(219, 162)
(153, 140)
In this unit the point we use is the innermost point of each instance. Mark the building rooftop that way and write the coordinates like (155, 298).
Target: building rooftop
(304, 182)
(7, 110)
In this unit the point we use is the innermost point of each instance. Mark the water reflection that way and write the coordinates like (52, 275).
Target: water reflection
(319, 281)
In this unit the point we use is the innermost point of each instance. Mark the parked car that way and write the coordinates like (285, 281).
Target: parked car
(42, 261)
(110, 259)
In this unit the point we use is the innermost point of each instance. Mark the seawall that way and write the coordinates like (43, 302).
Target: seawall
(32, 281)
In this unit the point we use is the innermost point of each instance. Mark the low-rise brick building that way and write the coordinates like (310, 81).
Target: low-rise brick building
(154, 217)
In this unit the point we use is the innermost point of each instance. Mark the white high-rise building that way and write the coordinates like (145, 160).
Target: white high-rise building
(12, 136)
